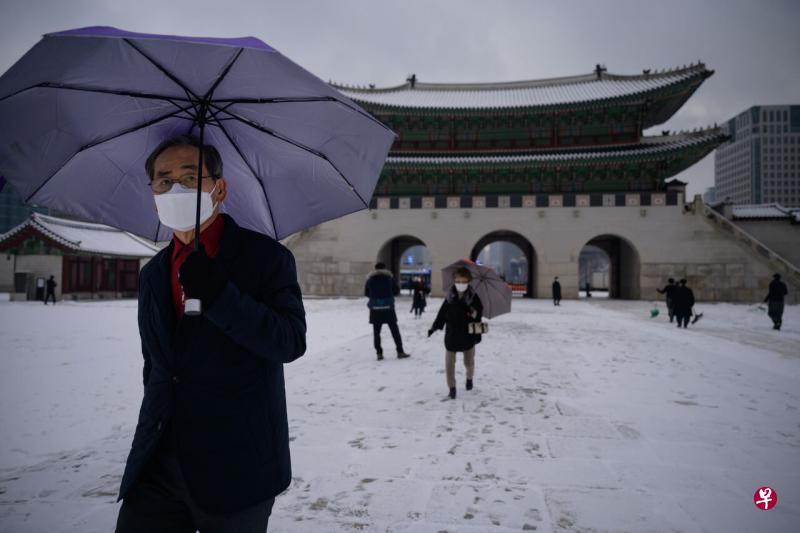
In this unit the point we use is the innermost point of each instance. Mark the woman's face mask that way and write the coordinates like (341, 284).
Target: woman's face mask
(177, 208)
(461, 286)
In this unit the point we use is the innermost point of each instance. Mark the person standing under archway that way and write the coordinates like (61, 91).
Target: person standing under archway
(420, 291)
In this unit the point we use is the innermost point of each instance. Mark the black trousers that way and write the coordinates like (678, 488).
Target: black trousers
(159, 502)
(683, 320)
(376, 333)
(49, 294)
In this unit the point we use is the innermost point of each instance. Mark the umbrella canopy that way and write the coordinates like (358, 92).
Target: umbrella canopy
(494, 292)
(82, 110)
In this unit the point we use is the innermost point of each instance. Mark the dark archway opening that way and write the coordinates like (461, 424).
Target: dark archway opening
(512, 256)
(610, 266)
(407, 258)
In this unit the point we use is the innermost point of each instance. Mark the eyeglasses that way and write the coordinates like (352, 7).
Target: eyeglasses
(162, 185)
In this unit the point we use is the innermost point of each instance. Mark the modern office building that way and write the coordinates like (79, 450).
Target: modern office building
(761, 161)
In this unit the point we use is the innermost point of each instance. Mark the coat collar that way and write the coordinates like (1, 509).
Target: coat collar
(381, 272)
(160, 283)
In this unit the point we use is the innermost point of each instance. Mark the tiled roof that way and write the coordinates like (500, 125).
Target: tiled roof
(765, 211)
(647, 147)
(598, 85)
(87, 237)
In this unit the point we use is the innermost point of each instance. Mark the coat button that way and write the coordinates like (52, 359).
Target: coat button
(175, 379)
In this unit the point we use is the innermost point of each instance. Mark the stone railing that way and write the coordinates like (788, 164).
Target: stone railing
(779, 263)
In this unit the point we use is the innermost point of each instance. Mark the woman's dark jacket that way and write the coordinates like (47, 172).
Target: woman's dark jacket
(455, 315)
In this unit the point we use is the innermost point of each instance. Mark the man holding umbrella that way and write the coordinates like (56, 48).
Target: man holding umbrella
(211, 450)
(220, 309)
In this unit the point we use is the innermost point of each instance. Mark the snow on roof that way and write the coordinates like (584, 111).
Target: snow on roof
(647, 146)
(598, 85)
(765, 211)
(87, 237)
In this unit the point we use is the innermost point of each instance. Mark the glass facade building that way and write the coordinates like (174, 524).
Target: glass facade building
(761, 161)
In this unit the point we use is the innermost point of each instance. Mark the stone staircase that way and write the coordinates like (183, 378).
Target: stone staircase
(775, 262)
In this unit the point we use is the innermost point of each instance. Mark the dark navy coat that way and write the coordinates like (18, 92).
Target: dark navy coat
(218, 377)
(381, 289)
(556, 290)
(682, 300)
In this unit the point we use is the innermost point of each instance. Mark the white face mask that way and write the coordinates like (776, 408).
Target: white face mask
(461, 287)
(177, 208)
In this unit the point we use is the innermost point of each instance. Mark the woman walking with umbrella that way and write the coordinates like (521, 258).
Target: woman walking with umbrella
(461, 307)
(473, 292)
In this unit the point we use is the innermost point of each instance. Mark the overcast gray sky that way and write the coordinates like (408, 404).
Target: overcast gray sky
(754, 46)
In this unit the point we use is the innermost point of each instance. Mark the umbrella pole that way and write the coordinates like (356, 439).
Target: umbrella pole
(199, 188)
(193, 306)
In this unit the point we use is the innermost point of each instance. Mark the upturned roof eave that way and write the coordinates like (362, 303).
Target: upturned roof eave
(633, 97)
(695, 68)
(34, 223)
(636, 152)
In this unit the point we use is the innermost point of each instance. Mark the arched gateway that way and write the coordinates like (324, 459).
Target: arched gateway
(518, 270)
(611, 266)
(556, 164)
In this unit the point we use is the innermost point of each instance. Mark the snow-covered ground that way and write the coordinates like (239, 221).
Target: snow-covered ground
(585, 417)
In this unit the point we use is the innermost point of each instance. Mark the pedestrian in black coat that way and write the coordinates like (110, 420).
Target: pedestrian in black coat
(418, 302)
(51, 290)
(774, 301)
(682, 303)
(668, 291)
(211, 446)
(461, 307)
(556, 292)
(381, 288)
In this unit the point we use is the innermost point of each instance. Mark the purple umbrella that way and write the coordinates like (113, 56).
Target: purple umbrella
(494, 292)
(83, 109)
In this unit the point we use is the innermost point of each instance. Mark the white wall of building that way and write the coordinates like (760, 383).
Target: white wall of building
(7, 272)
(42, 266)
(334, 258)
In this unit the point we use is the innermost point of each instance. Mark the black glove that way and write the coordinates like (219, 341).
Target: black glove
(430, 332)
(202, 277)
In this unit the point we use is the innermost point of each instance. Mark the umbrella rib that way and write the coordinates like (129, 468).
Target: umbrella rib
(303, 99)
(218, 111)
(287, 140)
(222, 75)
(96, 143)
(254, 173)
(133, 94)
(163, 70)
